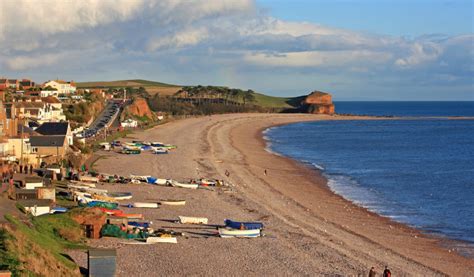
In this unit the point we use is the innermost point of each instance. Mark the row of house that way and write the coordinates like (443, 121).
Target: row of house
(59, 86)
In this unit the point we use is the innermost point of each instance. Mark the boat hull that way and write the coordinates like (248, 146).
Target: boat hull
(236, 233)
(192, 220)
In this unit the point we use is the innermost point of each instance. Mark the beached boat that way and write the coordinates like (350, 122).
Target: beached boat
(243, 225)
(235, 233)
(129, 151)
(58, 210)
(84, 184)
(192, 220)
(171, 202)
(141, 178)
(163, 181)
(119, 195)
(183, 185)
(161, 239)
(88, 179)
(208, 182)
(145, 205)
(159, 150)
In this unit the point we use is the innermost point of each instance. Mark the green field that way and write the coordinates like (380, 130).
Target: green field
(123, 83)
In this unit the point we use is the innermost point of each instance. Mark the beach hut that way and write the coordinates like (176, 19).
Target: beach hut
(36, 207)
(102, 262)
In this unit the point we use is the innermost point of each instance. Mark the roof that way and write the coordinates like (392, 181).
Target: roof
(47, 141)
(53, 128)
(26, 130)
(24, 104)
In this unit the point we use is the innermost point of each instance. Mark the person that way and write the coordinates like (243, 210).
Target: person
(372, 272)
(265, 172)
(386, 272)
(227, 173)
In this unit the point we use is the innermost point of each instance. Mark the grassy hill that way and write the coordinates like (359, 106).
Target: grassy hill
(151, 86)
(164, 89)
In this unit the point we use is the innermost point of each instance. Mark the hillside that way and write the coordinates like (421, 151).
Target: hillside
(151, 86)
(164, 89)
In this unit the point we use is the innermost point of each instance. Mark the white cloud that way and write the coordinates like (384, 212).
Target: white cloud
(188, 37)
(28, 62)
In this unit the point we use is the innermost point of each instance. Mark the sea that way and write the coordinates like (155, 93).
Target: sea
(417, 170)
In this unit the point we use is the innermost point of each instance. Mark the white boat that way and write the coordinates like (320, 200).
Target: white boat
(159, 150)
(140, 178)
(192, 220)
(88, 179)
(119, 195)
(145, 205)
(182, 185)
(165, 239)
(163, 181)
(235, 233)
(171, 202)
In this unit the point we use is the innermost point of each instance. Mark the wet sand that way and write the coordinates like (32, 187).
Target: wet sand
(309, 229)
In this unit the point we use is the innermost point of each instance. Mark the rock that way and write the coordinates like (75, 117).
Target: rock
(319, 103)
(139, 107)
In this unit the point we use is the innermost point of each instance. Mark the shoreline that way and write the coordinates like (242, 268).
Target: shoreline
(309, 229)
(461, 247)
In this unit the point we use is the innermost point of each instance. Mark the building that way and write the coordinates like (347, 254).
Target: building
(36, 207)
(61, 86)
(26, 84)
(52, 147)
(48, 110)
(129, 123)
(62, 129)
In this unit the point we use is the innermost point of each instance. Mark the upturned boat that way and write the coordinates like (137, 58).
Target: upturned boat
(161, 239)
(171, 202)
(183, 185)
(119, 195)
(192, 220)
(145, 205)
(243, 225)
(237, 233)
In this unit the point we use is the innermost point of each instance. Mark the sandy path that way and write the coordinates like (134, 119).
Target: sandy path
(310, 231)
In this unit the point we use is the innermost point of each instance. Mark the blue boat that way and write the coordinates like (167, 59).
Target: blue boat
(139, 224)
(151, 180)
(57, 210)
(243, 225)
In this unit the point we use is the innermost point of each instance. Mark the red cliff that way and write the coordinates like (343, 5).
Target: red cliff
(319, 103)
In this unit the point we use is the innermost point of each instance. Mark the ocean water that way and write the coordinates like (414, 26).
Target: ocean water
(419, 172)
(402, 108)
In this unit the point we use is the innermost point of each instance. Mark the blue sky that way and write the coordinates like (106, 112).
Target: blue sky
(356, 50)
(392, 17)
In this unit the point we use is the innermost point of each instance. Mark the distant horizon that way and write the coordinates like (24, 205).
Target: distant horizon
(378, 50)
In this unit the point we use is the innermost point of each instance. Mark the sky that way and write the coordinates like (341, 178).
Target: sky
(354, 49)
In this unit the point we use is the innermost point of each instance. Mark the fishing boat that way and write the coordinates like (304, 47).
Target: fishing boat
(88, 179)
(162, 239)
(171, 202)
(145, 205)
(58, 210)
(141, 178)
(207, 182)
(243, 225)
(163, 181)
(159, 150)
(119, 195)
(129, 151)
(236, 233)
(192, 220)
(183, 185)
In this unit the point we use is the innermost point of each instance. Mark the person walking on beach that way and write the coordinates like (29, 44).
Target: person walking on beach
(227, 173)
(265, 172)
(372, 272)
(386, 272)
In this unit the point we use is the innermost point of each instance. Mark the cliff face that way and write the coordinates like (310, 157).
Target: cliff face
(319, 103)
(139, 107)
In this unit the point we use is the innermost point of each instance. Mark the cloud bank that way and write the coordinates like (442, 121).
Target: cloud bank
(221, 42)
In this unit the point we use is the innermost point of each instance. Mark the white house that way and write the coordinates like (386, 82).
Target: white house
(129, 123)
(63, 87)
(46, 93)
